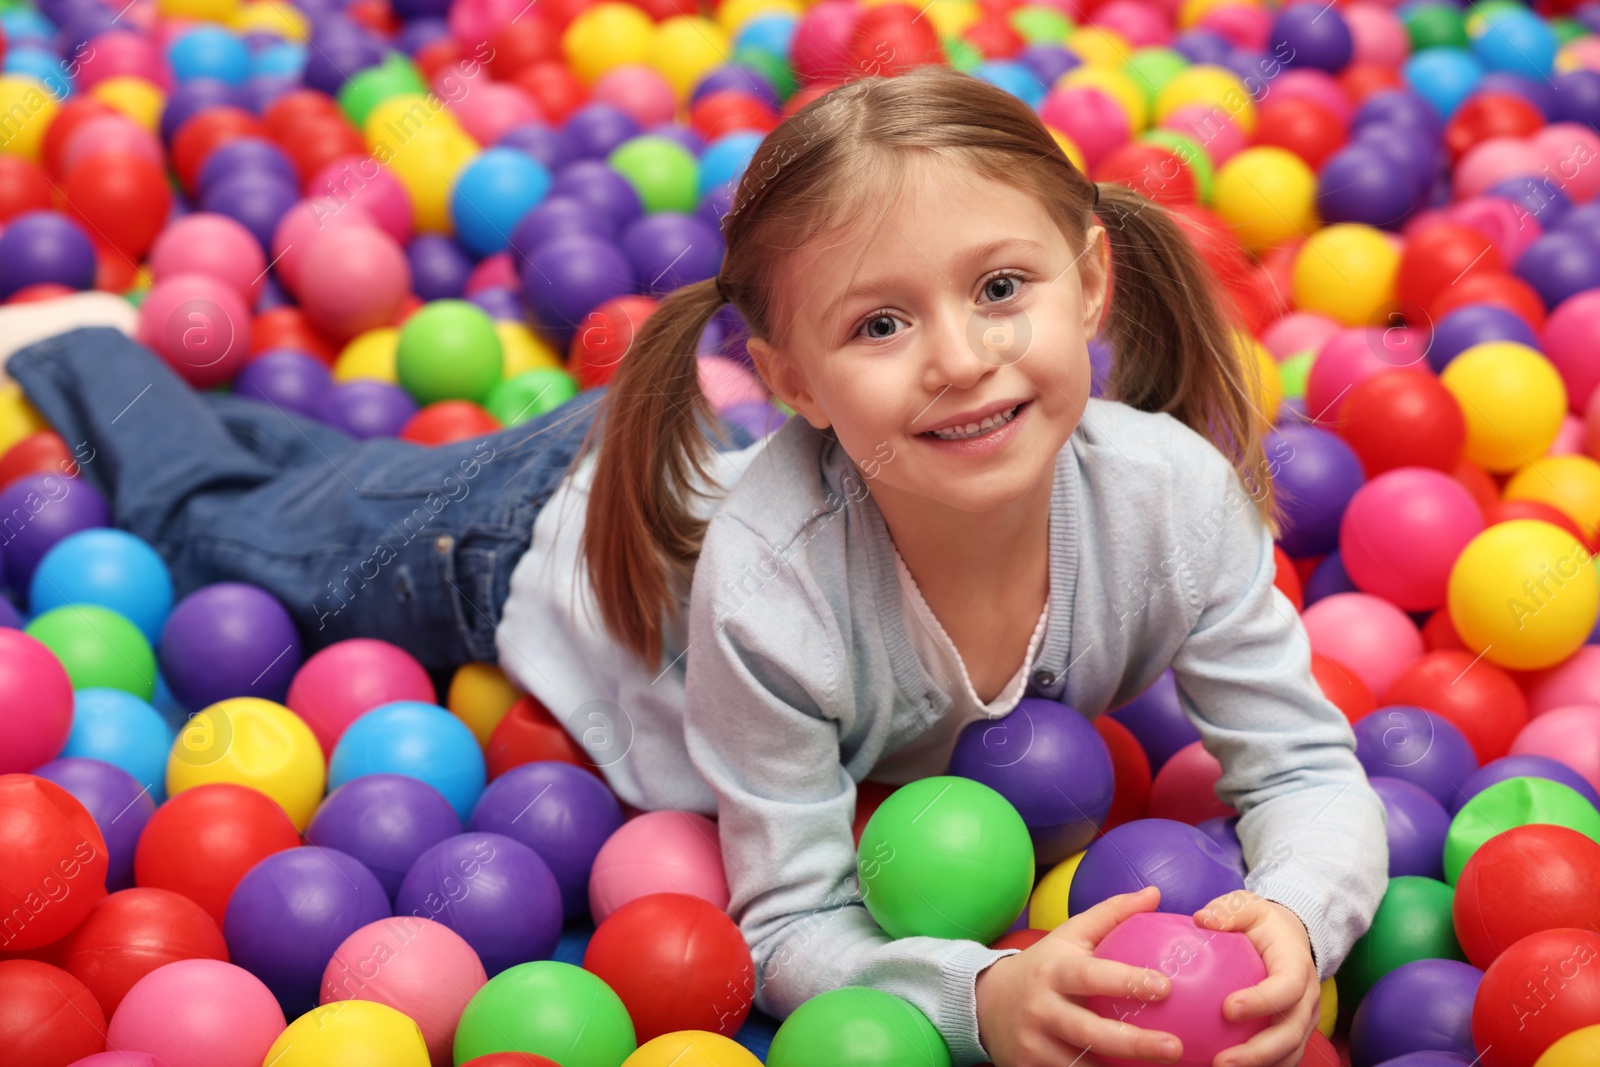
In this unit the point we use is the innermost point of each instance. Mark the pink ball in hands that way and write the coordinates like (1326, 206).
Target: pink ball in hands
(199, 325)
(198, 1013)
(213, 245)
(1402, 532)
(352, 281)
(1205, 967)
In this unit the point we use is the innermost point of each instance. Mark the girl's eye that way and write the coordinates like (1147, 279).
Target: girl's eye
(880, 324)
(1002, 286)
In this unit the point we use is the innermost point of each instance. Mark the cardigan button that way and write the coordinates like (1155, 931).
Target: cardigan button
(1043, 679)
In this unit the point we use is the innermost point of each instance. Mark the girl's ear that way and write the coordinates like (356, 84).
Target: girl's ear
(786, 382)
(1095, 271)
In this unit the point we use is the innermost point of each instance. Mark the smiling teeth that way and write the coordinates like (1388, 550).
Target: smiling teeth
(974, 429)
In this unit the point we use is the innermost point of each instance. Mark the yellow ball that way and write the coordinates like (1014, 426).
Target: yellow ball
(1099, 47)
(1345, 272)
(427, 167)
(685, 49)
(136, 98)
(1328, 1008)
(1269, 382)
(1047, 908)
(480, 695)
(205, 10)
(952, 18)
(1190, 12)
(269, 16)
(29, 108)
(1570, 484)
(1268, 196)
(398, 121)
(1523, 594)
(350, 1033)
(1513, 401)
(1580, 1048)
(370, 355)
(606, 36)
(251, 742)
(17, 417)
(1115, 84)
(1213, 86)
(1070, 148)
(733, 14)
(524, 350)
(691, 1048)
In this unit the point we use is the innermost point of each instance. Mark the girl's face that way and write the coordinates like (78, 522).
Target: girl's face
(967, 303)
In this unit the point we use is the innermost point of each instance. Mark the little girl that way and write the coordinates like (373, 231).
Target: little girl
(948, 524)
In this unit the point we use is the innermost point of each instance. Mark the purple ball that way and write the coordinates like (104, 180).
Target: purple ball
(1558, 265)
(43, 246)
(557, 217)
(420, 9)
(257, 201)
(190, 98)
(246, 155)
(1400, 741)
(1404, 108)
(1475, 324)
(559, 810)
(228, 640)
(338, 50)
(602, 188)
(1157, 721)
(492, 890)
(717, 202)
(594, 130)
(1430, 1059)
(545, 143)
(1317, 481)
(502, 304)
(1421, 1006)
(42, 509)
(1499, 770)
(1329, 579)
(1541, 198)
(1191, 869)
(1224, 830)
(1361, 183)
(569, 277)
(1416, 162)
(1049, 762)
(1417, 824)
(1203, 47)
(672, 250)
(419, 32)
(385, 821)
(1047, 61)
(289, 914)
(10, 617)
(119, 805)
(1577, 98)
(734, 78)
(286, 379)
(686, 137)
(1310, 35)
(1583, 220)
(439, 267)
(366, 408)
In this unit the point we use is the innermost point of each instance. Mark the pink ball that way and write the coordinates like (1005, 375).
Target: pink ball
(1246, 27)
(1507, 225)
(213, 245)
(1377, 34)
(35, 703)
(1205, 967)
(494, 272)
(473, 22)
(1575, 680)
(359, 180)
(111, 133)
(1090, 118)
(1316, 87)
(658, 852)
(1569, 149)
(420, 968)
(304, 223)
(1350, 357)
(726, 383)
(352, 281)
(1568, 342)
(1569, 735)
(1298, 331)
(1140, 24)
(199, 325)
(821, 42)
(1217, 132)
(638, 91)
(119, 1059)
(1569, 439)
(1365, 633)
(348, 679)
(198, 1013)
(1491, 161)
(492, 108)
(1403, 531)
(1185, 789)
(119, 52)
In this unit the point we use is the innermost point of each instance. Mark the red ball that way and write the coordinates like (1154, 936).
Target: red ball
(318, 140)
(288, 327)
(47, 1017)
(129, 934)
(55, 862)
(1539, 990)
(1503, 510)
(1320, 1052)
(1487, 115)
(203, 134)
(891, 39)
(1438, 256)
(436, 55)
(869, 795)
(1403, 418)
(1130, 773)
(1485, 491)
(1470, 693)
(121, 199)
(1491, 287)
(1342, 686)
(445, 421)
(678, 963)
(1527, 879)
(1185, 788)
(39, 292)
(375, 15)
(606, 336)
(113, 271)
(202, 841)
(510, 1059)
(1439, 633)
(1151, 170)
(1311, 132)
(23, 187)
(74, 113)
(1361, 80)
(520, 44)
(718, 114)
(1020, 939)
(560, 13)
(43, 452)
(994, 37)
(556, 90)
(529, 733)
(284, 114)
(1286, 578)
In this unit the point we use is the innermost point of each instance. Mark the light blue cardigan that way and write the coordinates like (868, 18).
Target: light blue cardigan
(800, 677)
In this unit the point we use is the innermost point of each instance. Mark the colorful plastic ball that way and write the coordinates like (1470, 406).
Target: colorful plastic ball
(1158, 721)
(1308, 130)
(1527, 879)
(120, 197)
(1573, 681)
(349, 678)
(530, 394)
(1417, 824)
(480, 695)
(940, 883)
(1444, 77)
(108, 567)
(414, 738)
(568, 278)
(853, 1026)
(120, 729)
(1413, 922)
(356, 1033)
(688, 1047)
(1320, 474)
(53, 847)
(304, 225)
(1190, 869)
(1402, 418)
(1346, 272)
(1214, 966)
(1514, 802)
(1565, 333)
(1050, 906)
(198, 1013)
(449, 350)
(359, 181)
(444, 422)
(511, 1059)
(1417, 746)
(226, 640)
(1511, 1021)
(1559, 266)
(1402, 532)
(658, 852)
(1361, 183)
(353, 280)
(1507, 767)
(1424, 1006)
(98, 647)
(492, 195)
(116, 801)
(386, 821)
(46, 1015)
(1022, 757)
(129, 934)
(1475, 324)
(365, 408)
(198, 325)
(288, 380)
(1517, 41)
(1513, 400)
(546, 1007)
(1478, 698)
(53, 508)
(43, 246)
(1565, 734)
(1522, 592)
(1367, 634)
(1267, 195)
(36, 703)
(251, 742)
(1184, 790)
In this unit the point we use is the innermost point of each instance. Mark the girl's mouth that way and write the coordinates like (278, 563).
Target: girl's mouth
(972, 430)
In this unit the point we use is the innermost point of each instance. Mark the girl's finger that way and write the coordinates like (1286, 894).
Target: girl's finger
(1275, 994)
(1093, 925)
(1085, 976)
(1077, 1025)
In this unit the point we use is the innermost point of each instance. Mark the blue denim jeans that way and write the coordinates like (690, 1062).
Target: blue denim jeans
(377, 538)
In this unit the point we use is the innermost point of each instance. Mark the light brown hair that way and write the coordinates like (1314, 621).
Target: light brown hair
(1176, 350)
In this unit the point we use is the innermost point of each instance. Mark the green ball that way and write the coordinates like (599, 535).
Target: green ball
(368, 88)
(661, 171)
(961, 54)
(1153, 68)
(1294, 373)
(1435, 25)
(550, 1009)
(100, 648)
(1412, 923)
(449, 350)
(1567, 30)
(533, 392)
(773, 68)
(1041, 25)
(136, 297)
(1509, 804)
(946, 857)
(1191, 154)
(856, 1027)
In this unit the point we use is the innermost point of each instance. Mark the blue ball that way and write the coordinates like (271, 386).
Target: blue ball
(725, 159)
(769, 32)
(280, 59)
(111, 568)
(1014, 78)
(1515, 41)
(491, 196)
(120, 729)
(1443, 77)
(412, 738)
(42, 64)
(209, 52)
(25, 24)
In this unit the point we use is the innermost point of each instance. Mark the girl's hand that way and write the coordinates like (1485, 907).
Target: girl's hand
(1029, 1011)
(1290, 993)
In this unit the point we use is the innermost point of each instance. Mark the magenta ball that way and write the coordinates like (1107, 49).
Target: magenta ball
(1090, 118)
(1568, 343)
(1185, 789)
(359, 180)
(1214, 966)
(35, 703)
(213, 245)
(1365, 633)
(110, 133)
(198, 325)
(1571, 735)
(658, 852)
(119, 1059)
(352, 281)
(198, 1013)
(1402, 532)
(306, 222)
(344, 681)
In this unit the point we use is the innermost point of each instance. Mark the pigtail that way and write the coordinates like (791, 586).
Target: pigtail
(1176, 350)
(640, 538)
